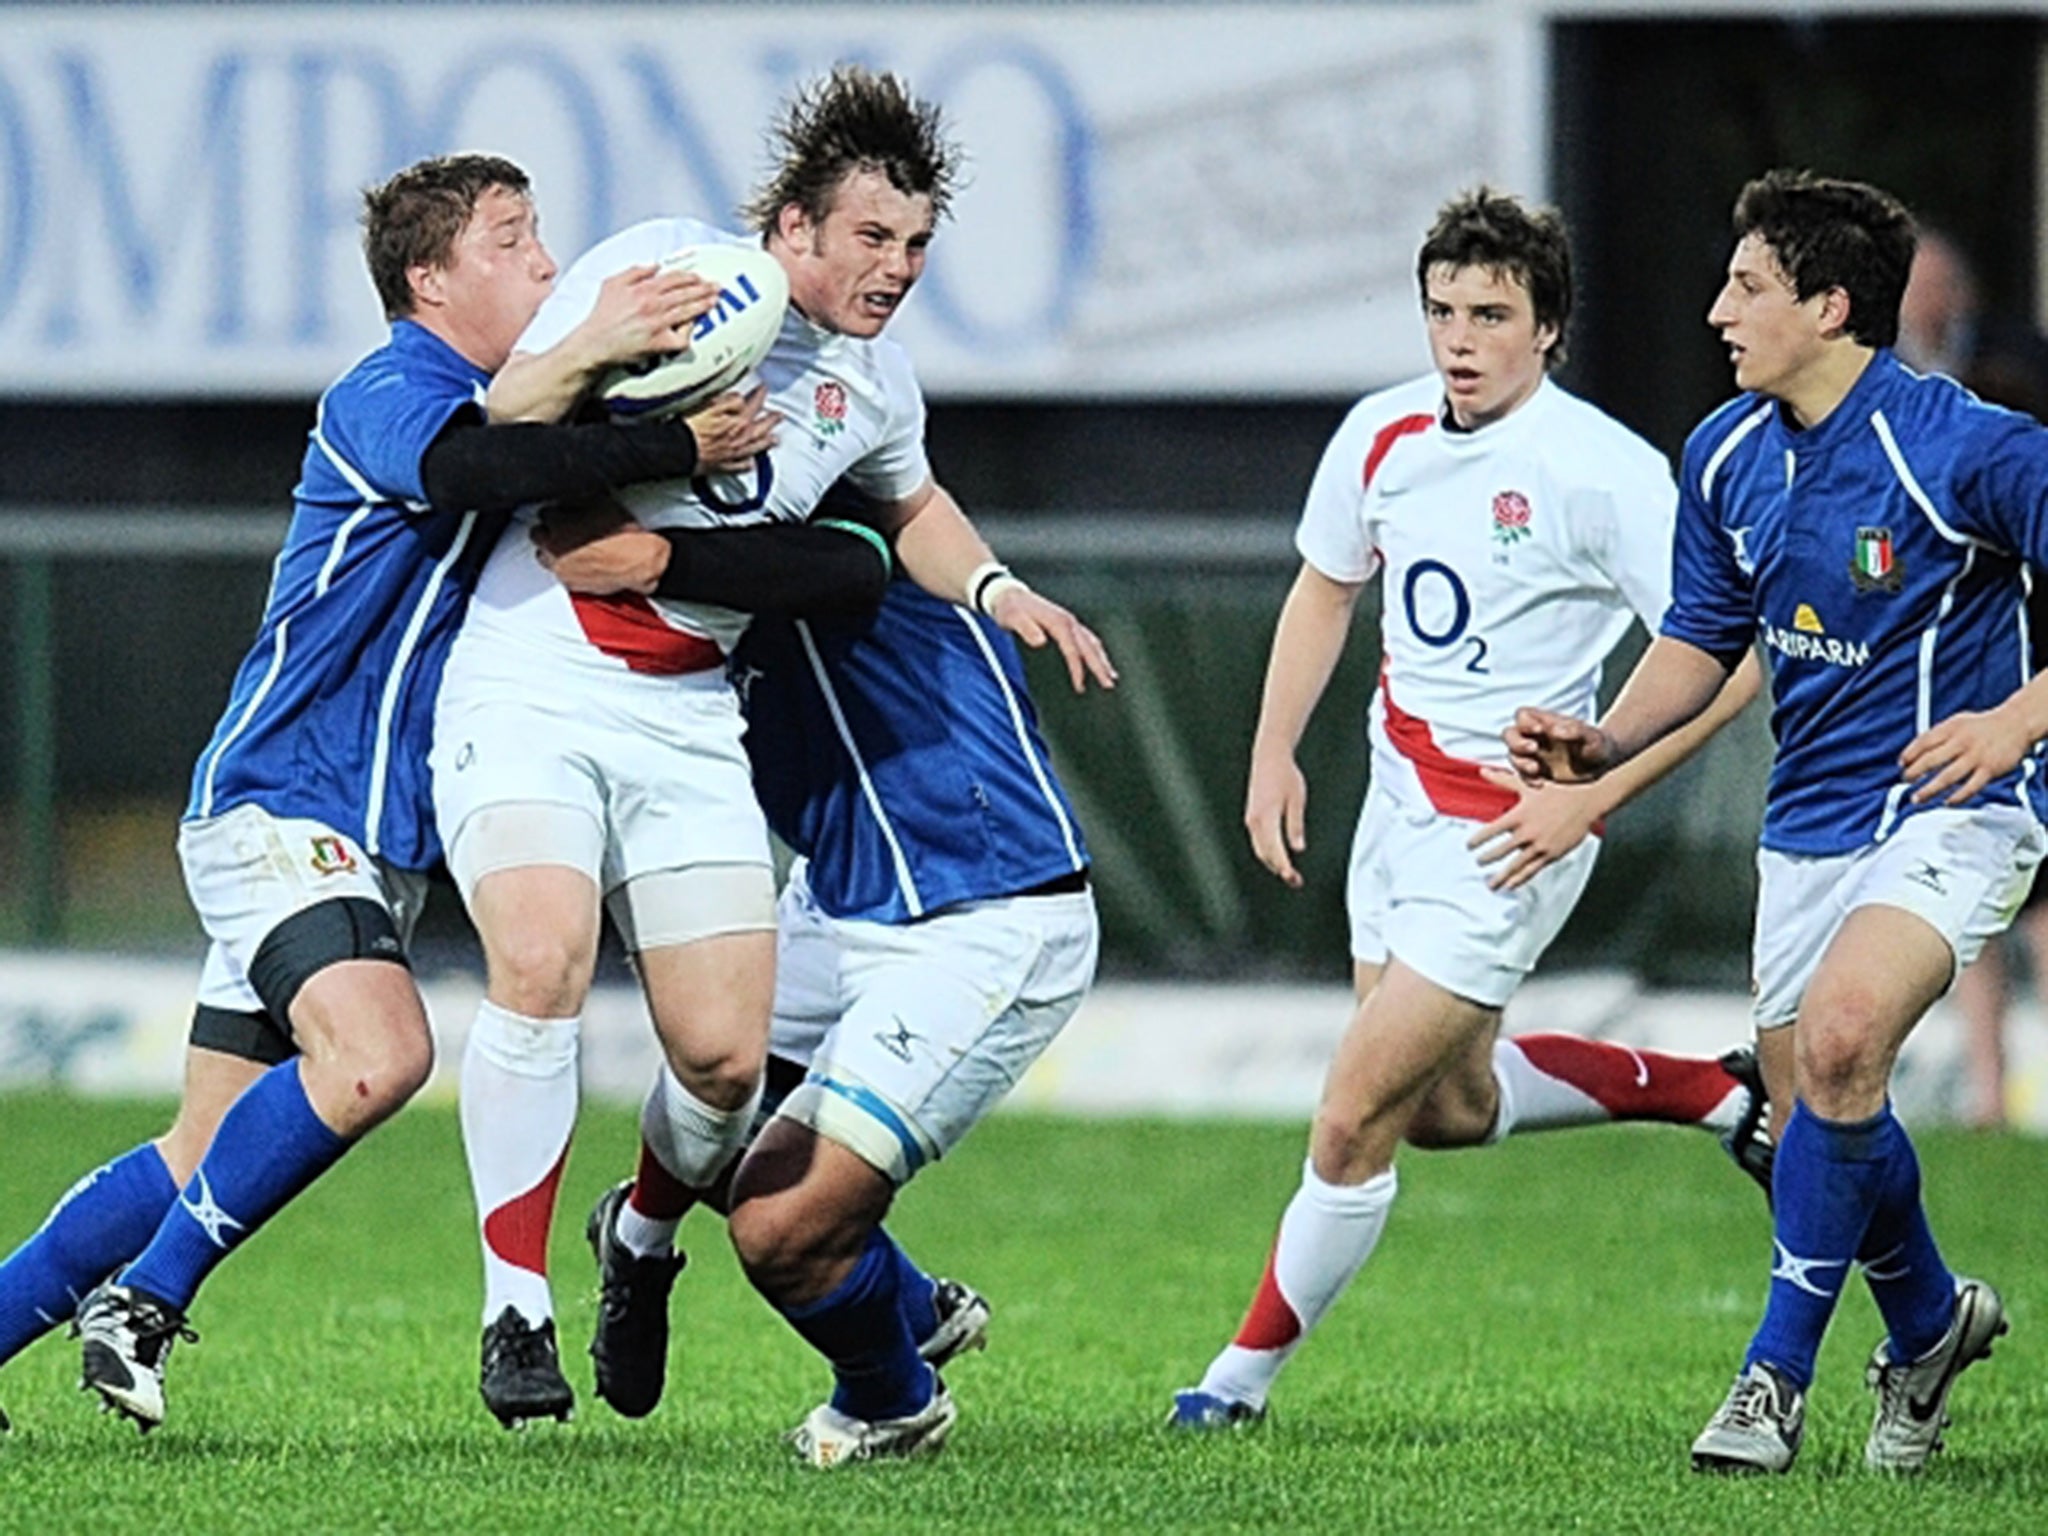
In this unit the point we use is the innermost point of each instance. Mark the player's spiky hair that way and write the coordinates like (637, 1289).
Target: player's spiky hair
(1835, 234)
(413, 219)
(855, 120)
(1503, 235)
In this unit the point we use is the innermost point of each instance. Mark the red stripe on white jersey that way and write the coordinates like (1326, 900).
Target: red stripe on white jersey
(1454, 785)
(627, 626)
(1386, 437)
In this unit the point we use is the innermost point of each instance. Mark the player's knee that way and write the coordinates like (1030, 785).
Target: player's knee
(783, 1244)
(724, 1074)
(380, 1065)
(538, 973)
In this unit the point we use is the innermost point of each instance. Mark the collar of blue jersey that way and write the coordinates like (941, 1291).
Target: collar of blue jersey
(1880, 375)
(415, 340)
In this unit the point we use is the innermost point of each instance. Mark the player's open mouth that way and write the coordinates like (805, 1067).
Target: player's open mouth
(881, 303)
(1464, 378)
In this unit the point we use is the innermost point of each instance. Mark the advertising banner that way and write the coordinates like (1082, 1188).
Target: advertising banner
(1161, 200)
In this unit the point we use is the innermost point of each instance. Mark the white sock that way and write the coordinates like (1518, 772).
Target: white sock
(691, 1140)
(518, 1103)
(1327, 1233)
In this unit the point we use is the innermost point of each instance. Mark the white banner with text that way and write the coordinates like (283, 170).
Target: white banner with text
(1161, 200)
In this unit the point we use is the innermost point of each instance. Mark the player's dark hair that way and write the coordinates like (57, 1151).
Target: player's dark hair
(413, 219)
(1504, 236)
(855, 120)
(1827, 234)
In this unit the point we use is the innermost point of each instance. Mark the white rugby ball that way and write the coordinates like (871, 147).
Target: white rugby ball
(726, 342)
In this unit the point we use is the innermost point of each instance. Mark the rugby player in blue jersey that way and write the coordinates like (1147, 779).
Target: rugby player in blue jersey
(310, 826)
(934, 936)
(1872, 526)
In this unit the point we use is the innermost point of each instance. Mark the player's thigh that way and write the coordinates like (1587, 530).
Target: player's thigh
(1418, 894)
(1461, 1108)
(282, 899)
(942, 1018)
(1962, 873)
(710, 1001)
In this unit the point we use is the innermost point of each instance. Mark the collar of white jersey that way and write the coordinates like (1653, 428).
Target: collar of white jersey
(1510, 428)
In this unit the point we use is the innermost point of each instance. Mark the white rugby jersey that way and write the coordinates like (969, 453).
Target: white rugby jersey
(851, 408)
(1513, 557)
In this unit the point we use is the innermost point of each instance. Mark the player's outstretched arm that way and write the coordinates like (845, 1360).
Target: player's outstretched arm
(1315, 622)
(638, 312)
(1549, 820)
(940, 550)
(1670, 687)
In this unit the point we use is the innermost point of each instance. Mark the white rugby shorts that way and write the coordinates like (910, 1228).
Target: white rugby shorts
(913, 1031)
(653, 765)
(1964, 871)
(1417, 893)
(247, 871)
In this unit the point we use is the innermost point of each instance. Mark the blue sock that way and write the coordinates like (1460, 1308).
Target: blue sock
(915, 1294)
(1824, 1187)
(1913, 1287)
(860, 1328)
(270, 1146)
(102, 1222)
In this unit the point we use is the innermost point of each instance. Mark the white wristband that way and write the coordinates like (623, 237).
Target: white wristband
(988, 582)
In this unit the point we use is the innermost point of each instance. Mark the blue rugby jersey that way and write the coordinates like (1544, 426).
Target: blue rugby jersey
(903, 759)
(332, 711)
(1880, 558)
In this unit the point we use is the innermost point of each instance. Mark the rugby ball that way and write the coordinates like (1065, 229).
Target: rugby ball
(727, 341)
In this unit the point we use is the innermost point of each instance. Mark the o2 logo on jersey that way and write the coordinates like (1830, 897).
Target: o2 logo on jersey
(764, 481)
(1426, 579)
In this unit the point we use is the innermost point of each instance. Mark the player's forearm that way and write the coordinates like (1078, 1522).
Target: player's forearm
(544, 386)
(1653, 762)
(1315, 623)
(1670, 687)
(821, 570)
(496, 468)
(937, 546)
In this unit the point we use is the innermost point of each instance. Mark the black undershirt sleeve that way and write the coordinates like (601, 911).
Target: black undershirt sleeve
(822, 570)
(474, 467)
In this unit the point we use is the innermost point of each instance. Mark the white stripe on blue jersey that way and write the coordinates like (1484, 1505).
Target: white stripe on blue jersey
(331, 713)
(903, 759)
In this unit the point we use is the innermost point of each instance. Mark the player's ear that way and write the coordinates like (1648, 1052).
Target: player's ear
(794, 227)
(428, 284)
(1834, 311)
(1546, 338)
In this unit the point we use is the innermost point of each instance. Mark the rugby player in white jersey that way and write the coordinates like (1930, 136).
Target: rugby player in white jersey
(310, 829)
(587, 750)
(1519, 532)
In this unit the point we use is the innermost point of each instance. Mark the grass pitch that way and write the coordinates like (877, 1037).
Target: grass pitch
(1544, 1329)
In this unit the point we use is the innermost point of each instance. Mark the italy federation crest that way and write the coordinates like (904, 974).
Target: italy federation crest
(330, 856)
(1875, 565)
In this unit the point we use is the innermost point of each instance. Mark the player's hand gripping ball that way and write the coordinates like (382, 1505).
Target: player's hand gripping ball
(725, 343)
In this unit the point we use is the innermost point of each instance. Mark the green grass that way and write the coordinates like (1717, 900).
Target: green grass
(1542, 1332)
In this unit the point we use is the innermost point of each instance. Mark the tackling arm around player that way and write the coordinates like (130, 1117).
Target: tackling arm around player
(1902, 823)
(1518, 530)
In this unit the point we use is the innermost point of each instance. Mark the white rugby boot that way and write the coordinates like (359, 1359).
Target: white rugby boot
(1912, 1396)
